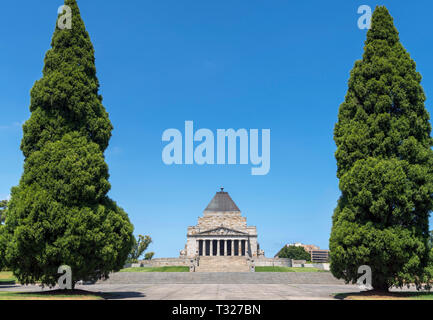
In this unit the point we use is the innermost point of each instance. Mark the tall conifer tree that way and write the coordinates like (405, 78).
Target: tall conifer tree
(385, 166)
(60, 213)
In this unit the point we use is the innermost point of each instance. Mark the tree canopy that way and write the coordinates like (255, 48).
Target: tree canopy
(3, 207)
(385, 166)
(139, 247)
(149, 255)
(60, 213)
(294, 252)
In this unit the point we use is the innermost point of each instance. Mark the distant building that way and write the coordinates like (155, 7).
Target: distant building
(307, 247)
(222, 241)
(317, 255)
(222, 231)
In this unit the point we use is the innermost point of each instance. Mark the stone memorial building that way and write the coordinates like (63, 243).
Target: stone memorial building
(221, 240)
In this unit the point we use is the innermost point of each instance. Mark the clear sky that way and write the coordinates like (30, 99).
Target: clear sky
(254, 64)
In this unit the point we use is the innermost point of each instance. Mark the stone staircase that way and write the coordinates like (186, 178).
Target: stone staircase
(223, 264)
(293, 278)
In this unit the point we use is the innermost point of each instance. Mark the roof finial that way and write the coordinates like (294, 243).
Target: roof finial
(222, 189)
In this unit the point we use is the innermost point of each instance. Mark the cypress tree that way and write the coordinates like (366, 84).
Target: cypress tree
(60, 213)
(385, 166)
(3, 209)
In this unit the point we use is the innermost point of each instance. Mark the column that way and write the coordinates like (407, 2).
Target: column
(225, 247)
(218, 247)
(233, 247)
(211, 247)
(240, 247)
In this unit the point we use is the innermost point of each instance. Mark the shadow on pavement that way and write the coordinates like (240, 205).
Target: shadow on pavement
(123, 295)
(6, 285)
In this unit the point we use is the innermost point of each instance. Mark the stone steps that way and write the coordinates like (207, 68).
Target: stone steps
(223, 264)
(222, 278)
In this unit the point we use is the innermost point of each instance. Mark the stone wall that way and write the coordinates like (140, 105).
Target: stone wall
(272, 262)
(253, 243)
(258, 262)
(322, 266)
(211, 220)
(191, 247)
(163, 262)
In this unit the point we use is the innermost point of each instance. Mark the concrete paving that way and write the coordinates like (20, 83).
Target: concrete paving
(208, 291)
(231, 291)
(214, 286)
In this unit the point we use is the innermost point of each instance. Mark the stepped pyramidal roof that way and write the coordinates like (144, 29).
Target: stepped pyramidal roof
(222, 202)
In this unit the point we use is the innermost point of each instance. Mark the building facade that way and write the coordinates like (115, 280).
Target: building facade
(220, 242)
(319, 256)
(222, 232)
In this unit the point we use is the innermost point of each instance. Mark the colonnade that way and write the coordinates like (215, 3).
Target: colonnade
(222, 247)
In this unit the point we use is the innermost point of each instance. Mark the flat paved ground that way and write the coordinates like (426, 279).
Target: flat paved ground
(213, 286)
(209, 291)
(227, 291)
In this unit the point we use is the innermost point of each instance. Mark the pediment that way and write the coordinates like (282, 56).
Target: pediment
(222, 231)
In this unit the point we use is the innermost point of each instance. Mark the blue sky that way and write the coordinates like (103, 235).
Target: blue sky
(279, 65)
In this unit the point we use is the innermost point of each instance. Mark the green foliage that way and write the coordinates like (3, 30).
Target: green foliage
(294, 252)
(385, 166)
(60, 213)
(3, 207)
(149, 255)
(3, 243)
(430, 240)
(138, 248)
(66, 98)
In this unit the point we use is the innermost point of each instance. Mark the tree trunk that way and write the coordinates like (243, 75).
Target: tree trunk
(380, 286)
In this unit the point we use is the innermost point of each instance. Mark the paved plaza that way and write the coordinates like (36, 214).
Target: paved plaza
(213, 286)
(208, 291)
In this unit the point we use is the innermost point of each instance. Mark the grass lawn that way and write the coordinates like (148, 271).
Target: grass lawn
(287, 269)
(7, 277)
(374, 295)
(51, 295)
(157, 269)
